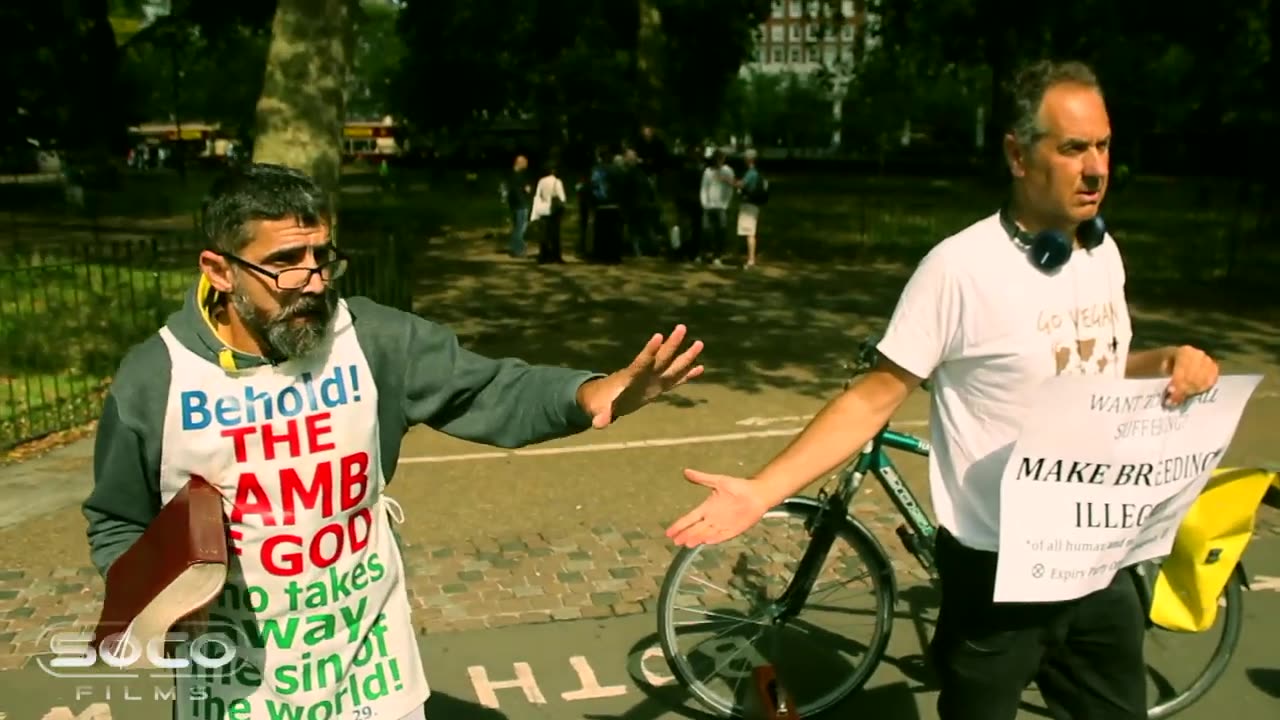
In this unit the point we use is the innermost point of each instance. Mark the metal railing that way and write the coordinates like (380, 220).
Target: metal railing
(69, 312)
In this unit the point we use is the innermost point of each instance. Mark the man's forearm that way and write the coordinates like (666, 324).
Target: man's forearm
(838, 431)
(590, 396)
(1150, 363)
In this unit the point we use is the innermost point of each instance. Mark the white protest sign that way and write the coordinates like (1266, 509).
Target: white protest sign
(1100, 479)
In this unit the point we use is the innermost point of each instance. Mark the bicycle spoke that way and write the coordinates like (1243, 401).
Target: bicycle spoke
(721, 634)
(816, 593)
(726, 661)
(736, 683)
(740, 620)
(713, 586)
(839, 610)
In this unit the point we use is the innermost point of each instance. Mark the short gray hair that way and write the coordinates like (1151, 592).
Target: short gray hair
(254, 192)
(1027, 90)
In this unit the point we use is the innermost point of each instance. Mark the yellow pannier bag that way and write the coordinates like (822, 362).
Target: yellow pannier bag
(1207, 548)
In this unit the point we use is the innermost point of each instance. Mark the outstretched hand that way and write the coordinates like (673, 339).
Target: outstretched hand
(733, 507)
(1191, 372)
(654, 371)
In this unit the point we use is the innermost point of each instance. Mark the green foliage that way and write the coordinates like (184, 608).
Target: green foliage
(1170, 74)
(573, 64)
(57, 75)
(205, 60)
(184, 72)
(779, 109)
(379, 51)
(705, 44)
(75, 73)
(79, 318)
(463, 57)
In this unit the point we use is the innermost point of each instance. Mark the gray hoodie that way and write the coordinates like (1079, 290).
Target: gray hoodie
(422, 374)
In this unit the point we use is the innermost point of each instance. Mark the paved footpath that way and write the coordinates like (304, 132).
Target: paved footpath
(479, 555)
(611, 669)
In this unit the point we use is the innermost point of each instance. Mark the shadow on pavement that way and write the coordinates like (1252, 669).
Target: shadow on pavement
(1221, 334)
(892, 690)
(773, 328)
(896, 698)
(1265, 679)
(440, 705)
(787, 326)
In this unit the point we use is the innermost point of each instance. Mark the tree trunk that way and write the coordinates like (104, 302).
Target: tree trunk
(96, 124)
(301, 110)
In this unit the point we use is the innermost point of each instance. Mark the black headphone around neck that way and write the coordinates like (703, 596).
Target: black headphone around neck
(1051, 249)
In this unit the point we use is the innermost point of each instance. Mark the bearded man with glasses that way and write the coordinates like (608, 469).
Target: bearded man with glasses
(293, 402)
(285, 336)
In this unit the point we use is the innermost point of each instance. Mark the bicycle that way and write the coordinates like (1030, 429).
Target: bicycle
(826, 519)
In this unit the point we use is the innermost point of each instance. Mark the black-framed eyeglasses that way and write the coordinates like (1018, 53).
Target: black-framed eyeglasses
(296, 278)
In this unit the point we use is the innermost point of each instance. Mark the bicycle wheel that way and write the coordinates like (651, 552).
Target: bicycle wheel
(1232, 612)
(818, 667)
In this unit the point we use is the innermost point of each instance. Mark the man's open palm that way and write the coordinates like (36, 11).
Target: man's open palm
(733, 506)
(657, 369)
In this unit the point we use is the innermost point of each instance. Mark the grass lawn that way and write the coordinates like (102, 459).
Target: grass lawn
(64, 325)
(65, 321)
(1170, 230)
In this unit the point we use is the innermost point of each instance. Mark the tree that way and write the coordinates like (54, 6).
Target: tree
(707, 42)
(193, 75)
(378, 52)
(650, 73)
(1164, 81)
(591, 69)
(58, 85)
(789, 110)
(302, 108)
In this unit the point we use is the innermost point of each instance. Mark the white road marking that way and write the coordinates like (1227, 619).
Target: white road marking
(626, 445)
(762, 421)
(1265, 582)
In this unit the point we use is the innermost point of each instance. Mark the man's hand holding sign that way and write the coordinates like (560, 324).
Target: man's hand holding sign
(1190, 370)
(1105, 470)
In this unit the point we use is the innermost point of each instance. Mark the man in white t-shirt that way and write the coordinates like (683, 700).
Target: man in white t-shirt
(991, 313)
(717, 193)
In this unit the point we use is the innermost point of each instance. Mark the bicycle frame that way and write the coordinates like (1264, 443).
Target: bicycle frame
(919, 531)
(917, 534)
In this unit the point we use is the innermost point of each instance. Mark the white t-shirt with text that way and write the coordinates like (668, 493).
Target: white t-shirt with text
(988, 327)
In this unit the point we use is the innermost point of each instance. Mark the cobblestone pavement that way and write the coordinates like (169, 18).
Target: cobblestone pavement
(596, 572)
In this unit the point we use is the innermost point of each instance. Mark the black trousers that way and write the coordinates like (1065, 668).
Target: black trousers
(584, 226)
(691, 230)
(549, 249)
(717, 227)
(1085, 655)
(608, 235)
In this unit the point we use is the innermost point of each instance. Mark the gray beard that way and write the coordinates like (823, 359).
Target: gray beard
(284, 337)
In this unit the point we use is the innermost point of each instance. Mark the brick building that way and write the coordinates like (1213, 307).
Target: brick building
(793, 40)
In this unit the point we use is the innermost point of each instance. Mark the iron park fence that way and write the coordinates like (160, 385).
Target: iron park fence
(70, 311)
